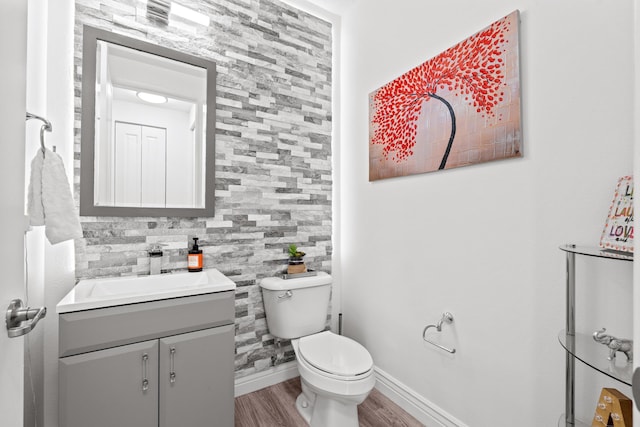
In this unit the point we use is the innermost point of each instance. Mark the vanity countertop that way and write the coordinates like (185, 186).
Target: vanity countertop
(114, 291)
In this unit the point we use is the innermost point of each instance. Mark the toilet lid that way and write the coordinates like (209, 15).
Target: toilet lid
(335, 354)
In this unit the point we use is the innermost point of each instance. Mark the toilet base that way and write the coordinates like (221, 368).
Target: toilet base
(321, 411)
(304, 407)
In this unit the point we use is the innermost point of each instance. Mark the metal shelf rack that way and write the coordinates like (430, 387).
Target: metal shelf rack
(577, 346)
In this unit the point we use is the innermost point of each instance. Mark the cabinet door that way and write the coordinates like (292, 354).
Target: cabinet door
(106, 388)
(196, 379)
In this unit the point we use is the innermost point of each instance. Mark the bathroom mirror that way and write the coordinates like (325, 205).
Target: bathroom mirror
(148, 125)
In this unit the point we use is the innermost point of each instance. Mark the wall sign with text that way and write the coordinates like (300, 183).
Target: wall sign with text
(618, 230)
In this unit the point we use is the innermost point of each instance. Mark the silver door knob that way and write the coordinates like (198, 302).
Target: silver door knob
(21, 321)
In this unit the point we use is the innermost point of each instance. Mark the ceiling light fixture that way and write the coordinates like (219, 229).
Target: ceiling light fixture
(189, 14)
(152, 98)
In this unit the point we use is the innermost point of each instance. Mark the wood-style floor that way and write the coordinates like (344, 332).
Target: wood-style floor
(275, 406)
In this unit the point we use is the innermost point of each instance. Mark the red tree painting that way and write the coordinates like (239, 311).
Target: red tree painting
(473, 72)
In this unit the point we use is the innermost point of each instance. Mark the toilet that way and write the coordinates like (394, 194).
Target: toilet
(336, 372)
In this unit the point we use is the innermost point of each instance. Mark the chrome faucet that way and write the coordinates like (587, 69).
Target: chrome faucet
(155, 259)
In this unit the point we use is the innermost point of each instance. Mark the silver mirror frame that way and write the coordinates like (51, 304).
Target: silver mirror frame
(91, 36)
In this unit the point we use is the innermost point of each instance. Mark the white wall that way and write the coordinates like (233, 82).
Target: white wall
(636, 276)
(34, 241)
(59, 259)
(482, 241)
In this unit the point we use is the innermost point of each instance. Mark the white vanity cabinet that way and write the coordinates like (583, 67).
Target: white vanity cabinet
(163, 363)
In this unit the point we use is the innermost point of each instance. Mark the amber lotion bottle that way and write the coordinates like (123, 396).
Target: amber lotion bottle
(194, 259)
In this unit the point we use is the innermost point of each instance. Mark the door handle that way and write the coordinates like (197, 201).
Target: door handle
(21, 321)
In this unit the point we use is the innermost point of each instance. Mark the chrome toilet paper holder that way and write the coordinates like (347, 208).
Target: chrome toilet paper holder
(446, 318)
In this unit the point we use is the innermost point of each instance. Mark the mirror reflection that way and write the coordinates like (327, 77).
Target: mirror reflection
(150, 130)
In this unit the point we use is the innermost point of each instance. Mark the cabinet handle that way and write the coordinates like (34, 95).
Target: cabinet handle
(172, 369)
(145, 381)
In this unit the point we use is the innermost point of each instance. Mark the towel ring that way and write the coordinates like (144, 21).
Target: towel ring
(45, 127)
(446, 318)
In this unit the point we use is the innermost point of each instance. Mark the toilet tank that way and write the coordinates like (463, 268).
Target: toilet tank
(296, 307)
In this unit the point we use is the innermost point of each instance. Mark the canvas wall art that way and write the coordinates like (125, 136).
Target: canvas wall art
(461, 107)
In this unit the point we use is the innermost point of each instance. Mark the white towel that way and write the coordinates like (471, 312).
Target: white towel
(50, 201)
(34, 201)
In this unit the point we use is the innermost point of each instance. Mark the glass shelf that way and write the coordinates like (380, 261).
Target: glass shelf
(597, 252)
(562, 422)
(594, 354)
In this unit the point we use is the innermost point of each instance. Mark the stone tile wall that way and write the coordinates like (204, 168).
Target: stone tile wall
(273, 154)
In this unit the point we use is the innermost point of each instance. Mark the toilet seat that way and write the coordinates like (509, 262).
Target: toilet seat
(335, 355)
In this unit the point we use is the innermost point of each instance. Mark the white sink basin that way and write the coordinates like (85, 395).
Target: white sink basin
(112, 291)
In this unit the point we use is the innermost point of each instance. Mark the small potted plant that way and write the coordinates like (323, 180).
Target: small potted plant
(296, 261)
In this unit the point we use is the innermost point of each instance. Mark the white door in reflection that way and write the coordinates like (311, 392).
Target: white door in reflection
(140, 166)
(150, 128)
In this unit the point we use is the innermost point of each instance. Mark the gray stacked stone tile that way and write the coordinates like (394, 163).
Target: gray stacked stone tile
(273, 155)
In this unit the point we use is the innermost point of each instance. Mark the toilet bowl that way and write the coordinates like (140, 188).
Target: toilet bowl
(336, 372)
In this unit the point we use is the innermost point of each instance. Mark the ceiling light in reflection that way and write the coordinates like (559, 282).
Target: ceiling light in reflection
(152, 98)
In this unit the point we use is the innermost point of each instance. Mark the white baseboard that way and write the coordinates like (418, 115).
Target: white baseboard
(267, 378)
(420, 408)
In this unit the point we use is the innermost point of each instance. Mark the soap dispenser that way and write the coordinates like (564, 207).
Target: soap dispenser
(194, 259)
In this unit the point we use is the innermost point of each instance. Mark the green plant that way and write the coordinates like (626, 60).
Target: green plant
(294, 252)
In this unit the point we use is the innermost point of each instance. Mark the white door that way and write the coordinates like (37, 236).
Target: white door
(127, 165)
(140, 165)
(154, 166)
(13, 54)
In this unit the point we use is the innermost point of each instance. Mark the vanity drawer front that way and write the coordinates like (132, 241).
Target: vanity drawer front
(90, 330)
